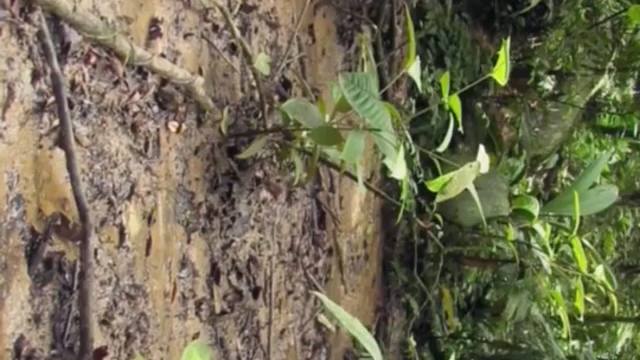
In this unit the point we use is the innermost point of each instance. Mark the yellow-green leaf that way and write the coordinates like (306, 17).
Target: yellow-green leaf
(352, 325)
(502, 68)
(527, 204)
(633, 14)
(447, 305)
(456, 107)
(578, 254)
(262, 63)
(255, 147)
(578, 301)
(326, 135)
(461, 180)
(445, 80)
(411, 41)
(438, 183)
(415, 73)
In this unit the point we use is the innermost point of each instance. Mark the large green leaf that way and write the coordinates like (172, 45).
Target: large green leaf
(304, 112)
(592, 201)
(352, 325)
(355, 87)
(588, 177)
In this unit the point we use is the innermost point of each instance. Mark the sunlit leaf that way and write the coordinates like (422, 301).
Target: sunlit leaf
(326, 136)
(415, 73)
(258, 144)
(303, 112)
(456, 107)
(411, 44)
(502, 68)
(196, 350)
(447, 137)
(633, 14)
(352, 325)
(262, 63)
(445, 81)
(578, 254)
(354, 147)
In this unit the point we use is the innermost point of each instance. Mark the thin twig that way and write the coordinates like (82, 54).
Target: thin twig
(85, 278)
(98, 32)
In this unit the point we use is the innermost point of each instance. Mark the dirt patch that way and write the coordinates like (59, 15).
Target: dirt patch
(188, 241)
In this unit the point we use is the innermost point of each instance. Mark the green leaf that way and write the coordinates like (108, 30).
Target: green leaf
(196, 350)
(398, 167)
(576, 212)
(456, 107)
(224, 123)
(352, 325)
(138, 357)
(461, 180)
(447, 305)
(578, 301)
(556, 295)
(304, 112)
(588, 177)
(447, 137)
(438, 183)
(415, 73)
(367, 105)
(527, 204)
(354, 147)
(262, 63)
(254, 148)
(633, 14)
(326, 135)
(578, 254)
(592, 201)
(411, 44)
(340, 104)
(476, 198)
(502, 68)
(445, 81)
